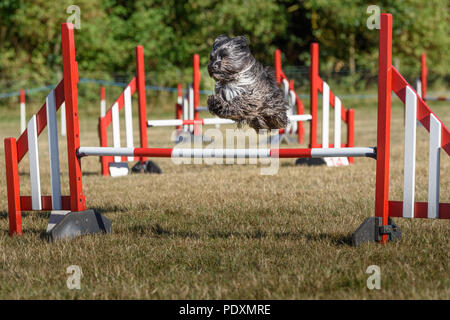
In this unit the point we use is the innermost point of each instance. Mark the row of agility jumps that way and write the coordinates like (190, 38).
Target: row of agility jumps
(79, 220)
(188, 122)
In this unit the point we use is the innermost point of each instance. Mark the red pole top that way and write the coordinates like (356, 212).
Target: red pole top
(423, 74)
(314, 51)
(196, 80)
(179, 90)
(22, 96)
(278, 65)
(102, 92)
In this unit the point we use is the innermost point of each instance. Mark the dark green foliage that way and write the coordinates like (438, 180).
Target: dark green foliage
(171, 31)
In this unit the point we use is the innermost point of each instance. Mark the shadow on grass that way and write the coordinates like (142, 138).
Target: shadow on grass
(108, 209)
(158, 231)
(92, 173)
(40, 214)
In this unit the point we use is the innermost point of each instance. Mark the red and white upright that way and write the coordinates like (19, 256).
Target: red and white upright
(317, 85)
(69, 216)
(422, 82)
(381, 228)
(118, 166)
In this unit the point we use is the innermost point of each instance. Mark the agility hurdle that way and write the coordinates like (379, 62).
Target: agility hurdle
(295, 103)
(317, 85)
(69, 216)
(379, 228)
(118, 166)
(422, 82)
(23, 114)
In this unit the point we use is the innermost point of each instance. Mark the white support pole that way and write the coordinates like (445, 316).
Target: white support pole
(23, 121)
(325, 114)
(409, 167)
(293, 110)
(128, 120)
(419, 87)
(337, 122)
(116, 129)
(63, 119)
(191, 107)
(102, 108)
(33, 155)
(286, 89)
(53, 151)
(185, 111)
(434, 167)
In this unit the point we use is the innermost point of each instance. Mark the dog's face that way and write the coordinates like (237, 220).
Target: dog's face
(229, 56)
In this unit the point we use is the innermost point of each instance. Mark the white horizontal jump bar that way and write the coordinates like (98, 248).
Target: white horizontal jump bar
(212, 121)
(343, 152)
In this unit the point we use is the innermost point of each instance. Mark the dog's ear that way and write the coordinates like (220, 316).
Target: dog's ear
(241, 42)
(220, 40)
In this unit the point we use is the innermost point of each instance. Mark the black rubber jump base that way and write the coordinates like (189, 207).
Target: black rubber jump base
(146, 167)
(76, 224)
(372, 230)
(310, 162)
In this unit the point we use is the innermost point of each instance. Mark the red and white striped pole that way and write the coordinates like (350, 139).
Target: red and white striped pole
(228, 153)
(102, 101)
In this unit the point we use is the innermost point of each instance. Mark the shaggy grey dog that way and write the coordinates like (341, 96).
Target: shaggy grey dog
(245, 91)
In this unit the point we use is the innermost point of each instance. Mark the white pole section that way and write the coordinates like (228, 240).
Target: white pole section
(63, 119)
(434, 167)
(185, 111)
(53, 151)
(23, 121)
(286, 89)
(325, 114)
(409, 166)
(116, 129)
(191, 107)
(33, 155)
(419, 87)
(293, 105)
(342, 152)
(102, 108)
(128, 120)
(337, 122)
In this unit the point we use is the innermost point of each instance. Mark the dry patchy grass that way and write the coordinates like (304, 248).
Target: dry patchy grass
(228, 232)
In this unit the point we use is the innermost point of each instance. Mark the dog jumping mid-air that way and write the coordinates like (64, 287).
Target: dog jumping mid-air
(245, 91)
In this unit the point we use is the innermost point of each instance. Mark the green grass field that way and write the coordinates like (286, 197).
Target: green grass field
(228, 232)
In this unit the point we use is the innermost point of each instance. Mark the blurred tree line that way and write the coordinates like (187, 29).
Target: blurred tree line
(171, 31)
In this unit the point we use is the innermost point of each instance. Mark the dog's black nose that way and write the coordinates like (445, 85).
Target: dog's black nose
(216, 65)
